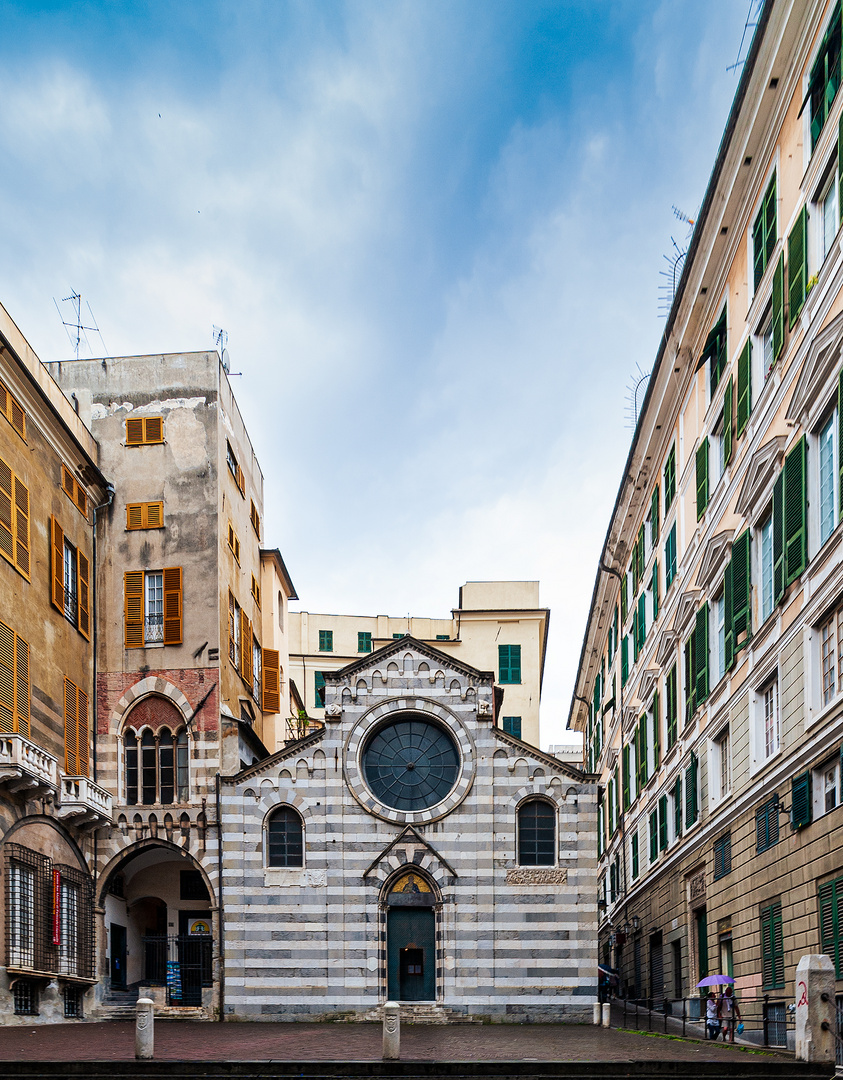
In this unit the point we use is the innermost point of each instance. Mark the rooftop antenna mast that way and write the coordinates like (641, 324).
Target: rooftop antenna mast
(220, 344)
(79, 330)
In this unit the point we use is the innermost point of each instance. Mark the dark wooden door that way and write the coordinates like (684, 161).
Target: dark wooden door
(411, 954)
(118, 956)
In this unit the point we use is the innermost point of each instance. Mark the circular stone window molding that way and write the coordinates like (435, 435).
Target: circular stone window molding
(381, 715)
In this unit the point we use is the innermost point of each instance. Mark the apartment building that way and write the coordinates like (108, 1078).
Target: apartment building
(52, 494)
(497, 626)
(709, 687)
(191, 656)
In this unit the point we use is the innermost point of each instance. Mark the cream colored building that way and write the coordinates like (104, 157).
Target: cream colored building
(498, 626)
(710, 685)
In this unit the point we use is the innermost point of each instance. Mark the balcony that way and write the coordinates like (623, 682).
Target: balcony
(83, 802)
(26, 768)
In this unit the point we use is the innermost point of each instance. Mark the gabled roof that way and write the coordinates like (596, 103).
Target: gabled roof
(540, 755)
(399, 645)
(290, 750)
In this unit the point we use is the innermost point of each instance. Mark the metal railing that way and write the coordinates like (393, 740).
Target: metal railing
(182, 964)
(766, 1020)
(153, 629)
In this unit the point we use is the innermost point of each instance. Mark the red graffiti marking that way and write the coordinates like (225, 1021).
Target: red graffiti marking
(804, 999)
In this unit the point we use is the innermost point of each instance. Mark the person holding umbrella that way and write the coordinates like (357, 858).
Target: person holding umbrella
(727, 1013)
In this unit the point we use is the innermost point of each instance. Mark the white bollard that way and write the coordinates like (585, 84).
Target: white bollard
(391, 1031)
(816, 1015)
(607, 1014)
(145, 1029)
(597, 1014)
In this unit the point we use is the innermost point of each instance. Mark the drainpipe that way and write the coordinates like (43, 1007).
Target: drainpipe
(219, 900)
(109, 490)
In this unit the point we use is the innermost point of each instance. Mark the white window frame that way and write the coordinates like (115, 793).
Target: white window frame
(821, 244)
(763, 749)
(815, 539)
(720, 771)
(763, 536)
(766, 277)
(153, 607)
(829, 767)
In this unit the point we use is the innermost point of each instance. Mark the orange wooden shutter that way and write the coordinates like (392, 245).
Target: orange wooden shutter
(133, 609)
(153, 429)
(154, 515)
(81, 500)
(232, 642)
(18, 417)
(7, 679)
(83, 576)
(22, 527)
(172, 606)
(68, 482)
(134, 431)
(57, 576)
(7, 546)
(71, 726)
(83, 736)
(271, 681)
(22, 685)
(134, 516)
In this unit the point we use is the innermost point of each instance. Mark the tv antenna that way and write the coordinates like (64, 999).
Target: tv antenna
(635, 392)
(676, 263)
(76, 330)
(748, 25)
(220, 344)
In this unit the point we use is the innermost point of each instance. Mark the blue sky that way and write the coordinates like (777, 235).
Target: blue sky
(433, 231)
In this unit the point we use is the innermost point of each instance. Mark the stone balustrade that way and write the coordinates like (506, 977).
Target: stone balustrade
(26, 767)
(84, 801)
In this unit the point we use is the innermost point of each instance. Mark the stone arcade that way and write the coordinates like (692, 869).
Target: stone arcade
(410, 850)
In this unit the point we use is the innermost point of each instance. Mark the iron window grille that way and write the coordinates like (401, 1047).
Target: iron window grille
(25, 997)
(72, 1002)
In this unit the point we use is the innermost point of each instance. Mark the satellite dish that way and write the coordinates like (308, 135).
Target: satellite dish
(226, 361)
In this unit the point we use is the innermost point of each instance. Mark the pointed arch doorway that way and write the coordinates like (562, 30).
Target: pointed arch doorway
(411, 939)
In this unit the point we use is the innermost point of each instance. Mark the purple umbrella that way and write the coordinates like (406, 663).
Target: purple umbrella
(716, 980)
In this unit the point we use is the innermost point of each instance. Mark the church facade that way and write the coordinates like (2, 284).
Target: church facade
(410, 850)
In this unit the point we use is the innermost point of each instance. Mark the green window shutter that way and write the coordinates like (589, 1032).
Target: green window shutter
(728, 395)
(701, 656)
(326, 640)
(656, 731)
(662, 822)
(624, 660)
(702, 477)
(728, 629)
(616, 807)
(642, 619)
(509, 663)
(364, 641)
(758, 249)
(626, 799)
(624, 599)
(722, 856)
(654, 837)
(770, 222)
(778, 538)
(744, 406)
(671, 706)
(741, 564)
(319, 688)
(642, 751)
(669, 479)
(797, 265)
(690, 677)
(772, 947)
(512, 726)
(641, 551)
(655, 589)
(840, 168)
(795, 512)
(654, 516)
(677, 806)
(691, 793)
(840, 420)
(670, 557)
(634, 855)
(778, 308)
(829, 904)
(800, 800)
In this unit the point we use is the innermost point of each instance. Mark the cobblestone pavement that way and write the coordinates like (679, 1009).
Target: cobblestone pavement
(185, 1041)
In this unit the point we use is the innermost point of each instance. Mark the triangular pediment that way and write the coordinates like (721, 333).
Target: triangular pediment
(666, 649)
(411, 847)
(648, 683)
(714, 558)
(398, 648)
(686, 609)
(820, 364)
(760, 474)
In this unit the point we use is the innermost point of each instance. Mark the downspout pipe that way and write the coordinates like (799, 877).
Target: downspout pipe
(109, 491)
(220, 937)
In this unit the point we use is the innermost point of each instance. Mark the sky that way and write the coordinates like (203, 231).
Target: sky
(435, 233)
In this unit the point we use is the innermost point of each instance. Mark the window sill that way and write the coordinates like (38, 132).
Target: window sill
(757, 767)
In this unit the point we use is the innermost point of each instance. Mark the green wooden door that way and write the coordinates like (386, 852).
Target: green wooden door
(411, 954)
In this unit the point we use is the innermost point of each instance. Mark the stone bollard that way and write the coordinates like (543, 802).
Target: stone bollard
(391, 1031)
(145, 1029)
(598, 1013)
(816, 1013)
(607, 1014)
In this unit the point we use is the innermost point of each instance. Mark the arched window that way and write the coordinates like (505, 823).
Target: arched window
(157, 769)
(536, 833)
(284, 838)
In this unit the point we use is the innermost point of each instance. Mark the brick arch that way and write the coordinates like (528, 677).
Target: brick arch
(144, 688)
(154, 712)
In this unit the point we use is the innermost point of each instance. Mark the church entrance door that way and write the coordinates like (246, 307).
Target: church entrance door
(411, 954)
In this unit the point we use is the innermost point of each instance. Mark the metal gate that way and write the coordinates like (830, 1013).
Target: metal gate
(181, 963)
(656, 970)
